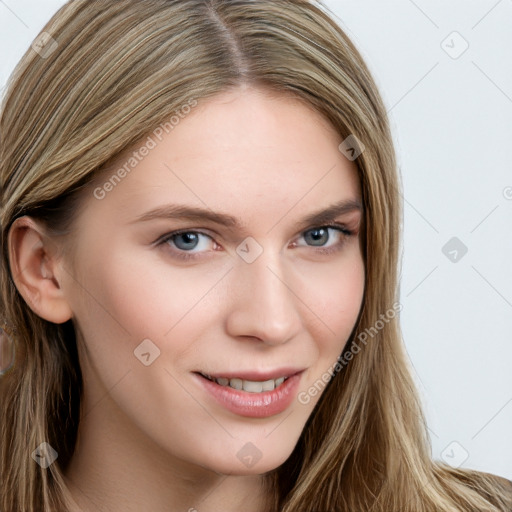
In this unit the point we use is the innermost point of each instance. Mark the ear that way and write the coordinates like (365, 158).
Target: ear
(36, 268)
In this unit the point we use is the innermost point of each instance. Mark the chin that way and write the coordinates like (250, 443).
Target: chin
(244, 466)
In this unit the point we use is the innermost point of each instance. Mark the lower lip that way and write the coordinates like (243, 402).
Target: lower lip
(254, 405)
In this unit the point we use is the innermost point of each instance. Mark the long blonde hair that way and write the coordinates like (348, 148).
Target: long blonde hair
(104, 75)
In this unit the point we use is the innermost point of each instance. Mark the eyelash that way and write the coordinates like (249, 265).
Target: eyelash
(187, 256)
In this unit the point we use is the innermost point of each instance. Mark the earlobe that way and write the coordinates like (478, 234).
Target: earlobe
(35, 270)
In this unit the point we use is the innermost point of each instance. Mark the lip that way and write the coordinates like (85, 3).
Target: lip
(254, 405)
(255, 375)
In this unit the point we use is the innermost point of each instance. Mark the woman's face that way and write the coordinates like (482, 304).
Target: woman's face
(253, 290)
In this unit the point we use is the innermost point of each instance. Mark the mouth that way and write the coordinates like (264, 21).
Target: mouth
(252, 394)
(251, 386)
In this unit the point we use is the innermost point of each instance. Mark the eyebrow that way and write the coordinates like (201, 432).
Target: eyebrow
(196, 214)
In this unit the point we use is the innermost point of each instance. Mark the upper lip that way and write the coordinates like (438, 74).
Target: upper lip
(254, 375)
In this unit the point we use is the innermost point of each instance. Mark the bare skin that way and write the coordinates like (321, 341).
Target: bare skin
(152, 438)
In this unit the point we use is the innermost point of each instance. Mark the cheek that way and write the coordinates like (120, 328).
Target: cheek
(334, 293)
(144, 296)
(338, 303)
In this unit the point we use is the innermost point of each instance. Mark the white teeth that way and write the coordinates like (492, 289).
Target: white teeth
(237, 384)
(250, 385)
(269, 385)
(279, 381)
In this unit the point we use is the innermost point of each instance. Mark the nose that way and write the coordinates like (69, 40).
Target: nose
(263, 304)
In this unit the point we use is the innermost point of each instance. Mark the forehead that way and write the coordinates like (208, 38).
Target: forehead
(244, 152)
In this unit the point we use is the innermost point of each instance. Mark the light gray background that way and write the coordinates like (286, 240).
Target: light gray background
(452, 123)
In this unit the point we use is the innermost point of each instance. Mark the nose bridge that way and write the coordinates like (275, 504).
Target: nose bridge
(264, 305)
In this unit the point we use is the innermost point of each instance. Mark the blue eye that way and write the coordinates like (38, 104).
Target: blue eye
(190, 244)
(318, 236)
(187, 240)
(323, 240)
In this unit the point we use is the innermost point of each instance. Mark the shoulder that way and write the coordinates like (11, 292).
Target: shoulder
(496, 490)
(499, 479)
(502, 487)
(504, 482)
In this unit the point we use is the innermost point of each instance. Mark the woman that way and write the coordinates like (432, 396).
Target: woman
(200, 219)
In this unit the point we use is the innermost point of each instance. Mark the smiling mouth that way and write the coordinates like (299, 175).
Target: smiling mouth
(251, 386)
